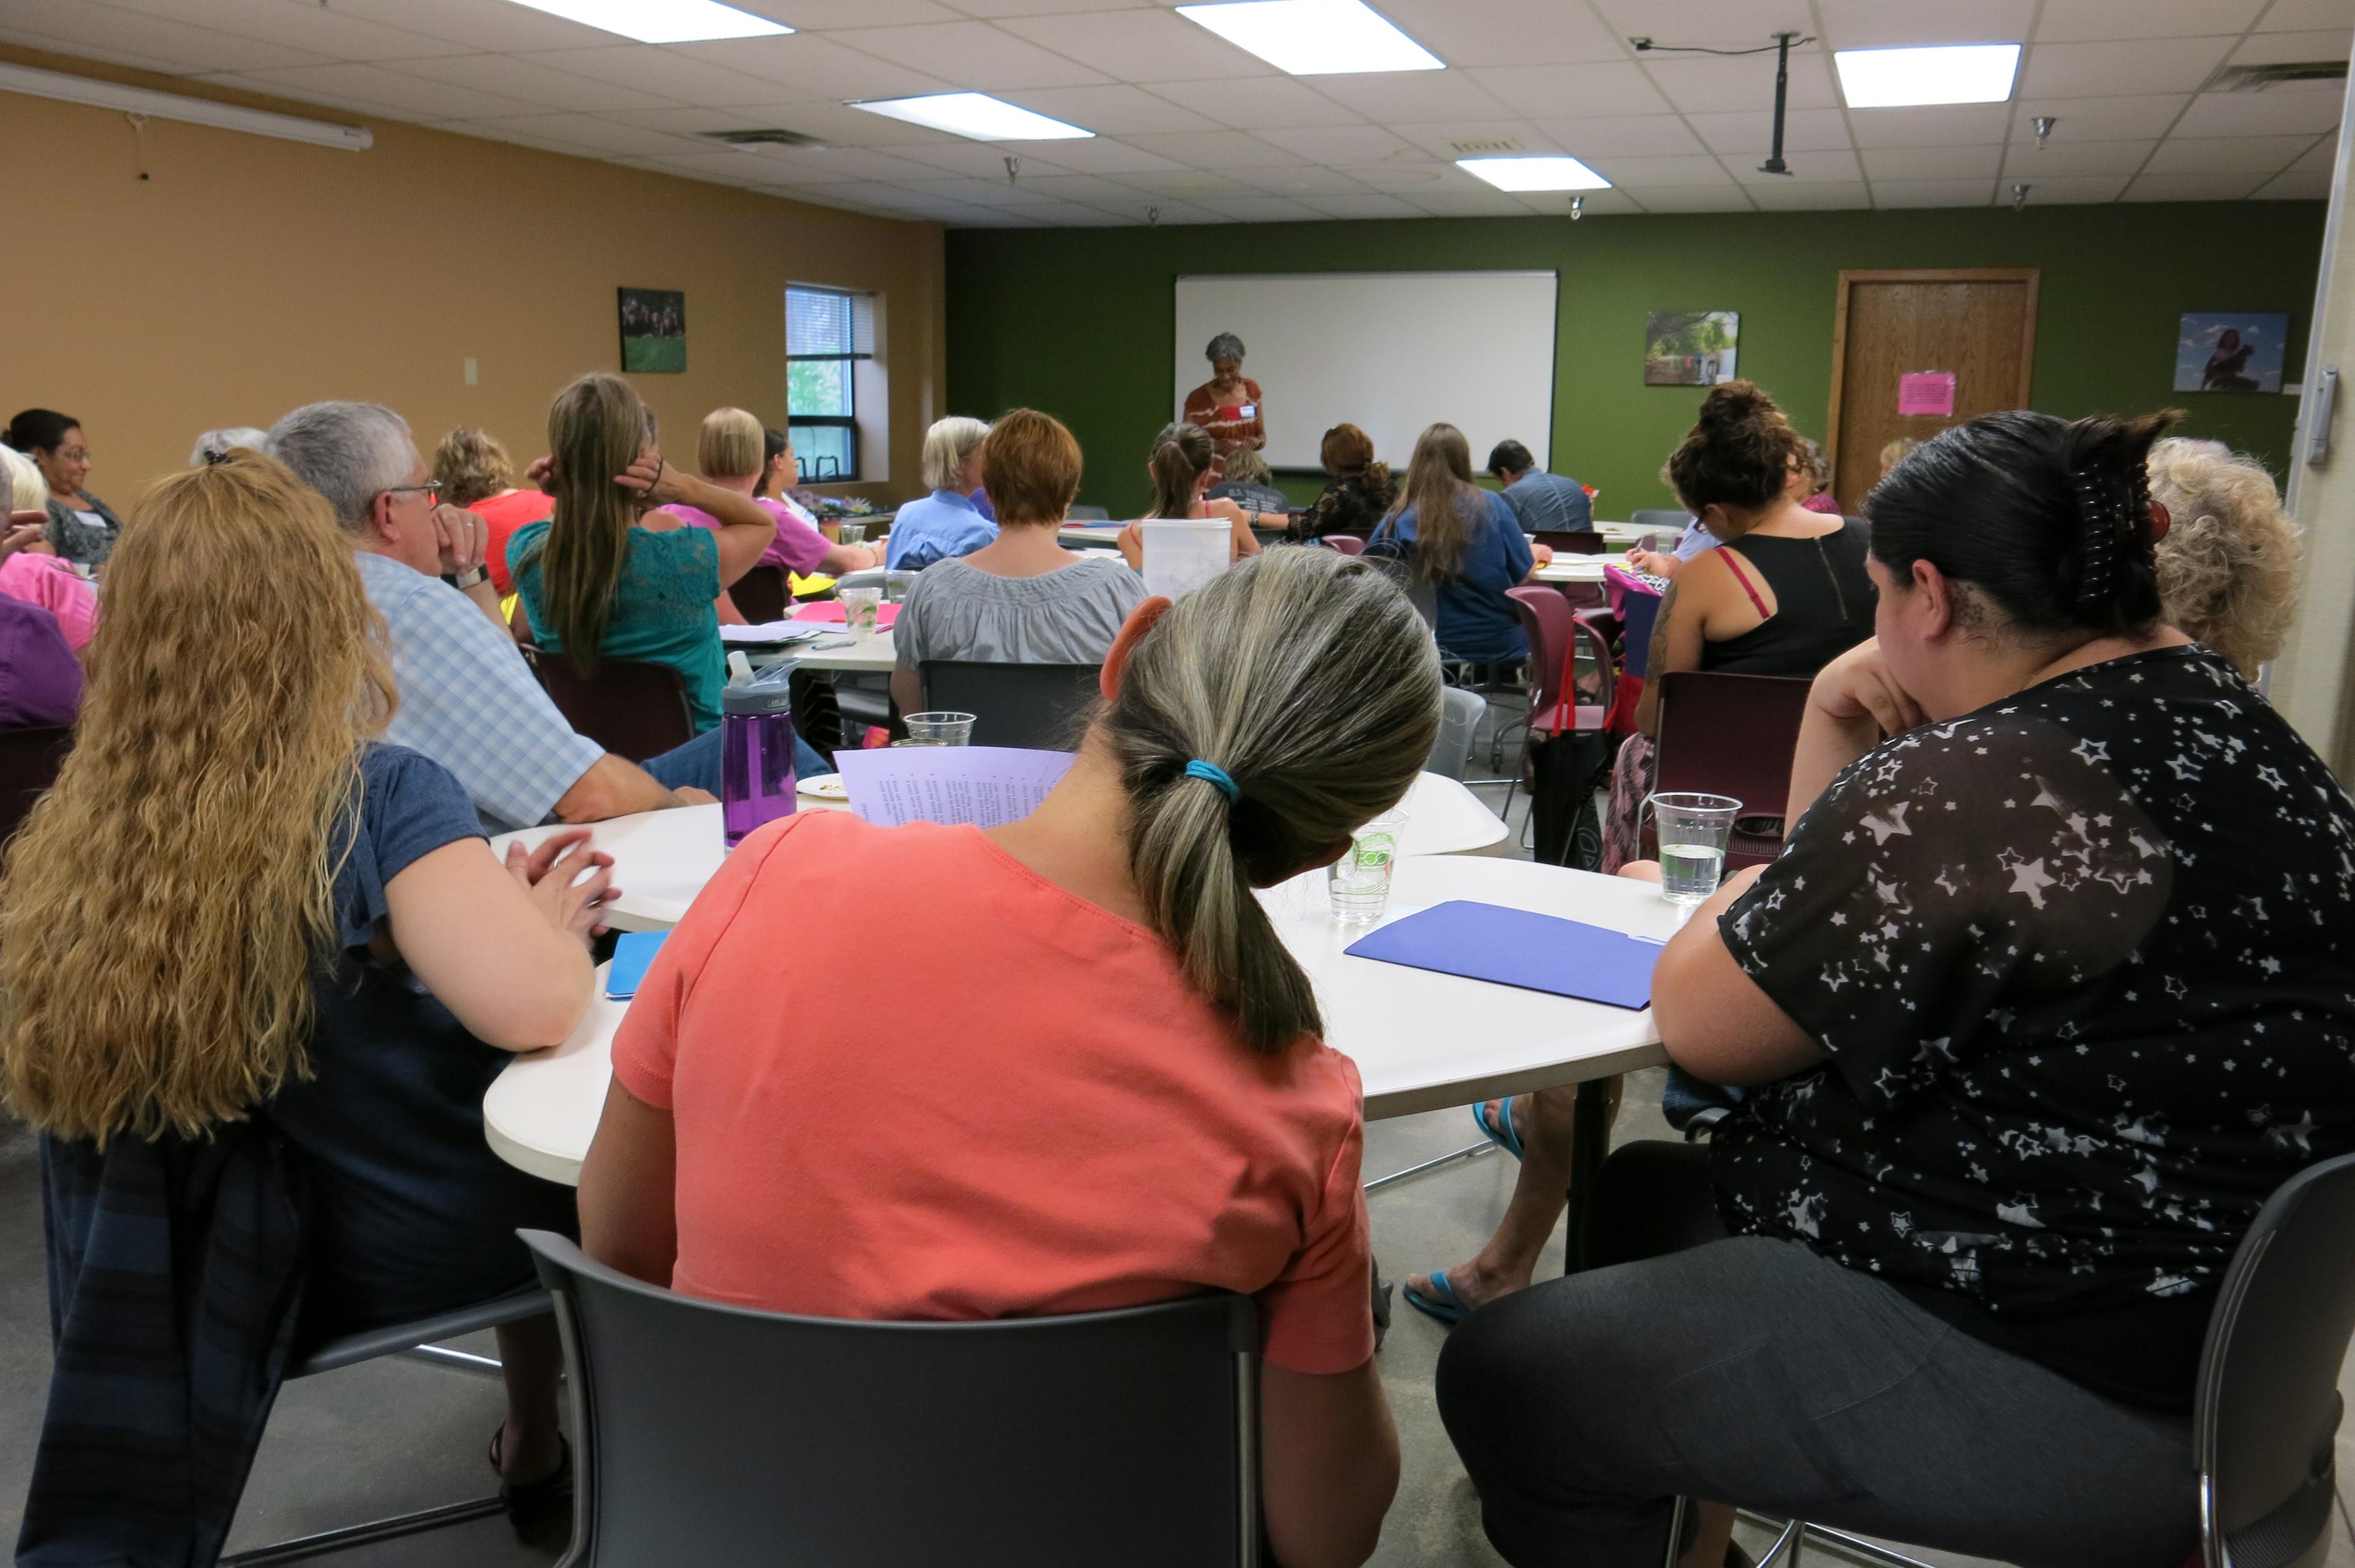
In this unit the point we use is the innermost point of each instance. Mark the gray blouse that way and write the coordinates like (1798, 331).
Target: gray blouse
(956, 611)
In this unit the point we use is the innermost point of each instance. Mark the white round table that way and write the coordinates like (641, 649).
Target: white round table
(662, 859)
(1422, 1040)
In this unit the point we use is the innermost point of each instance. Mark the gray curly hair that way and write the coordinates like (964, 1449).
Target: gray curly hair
(2227, 568)
(1226, 346)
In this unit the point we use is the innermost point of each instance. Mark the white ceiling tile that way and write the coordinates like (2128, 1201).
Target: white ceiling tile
(666, 73)
(1113, 111)
(1408, 180)
(686, 122)
(2268, 113)
(2275, 49)
(1465, 35)
(312, 29)
(2227, 155)
(102, 53)
(492, 130)
(1373, 204)
(1720, 24)
(829, 15)
(2121, 67)
(2323, 156)
(853, 163)
(1146, 45)
(817, 65)
(1709, 84)
(2067, 190)
(986, 193)
(984, 159)
(1642, 175)
(1309, 180)
(1877, 24)
(518, 82)
(1191, 184)
(1932, 193)
(1794, 197)
(2296, 185)
(2147, 115)
(1341, 144)
(1105, 155)
(1265, 209)
(1215, 149)
(1751, 131)
(376, 88)
(1409, 97)
(994, 9)
(1942, 125)
(2061, 160)
(2191, 187)
(839, 125)
(1565, 92)
(1635, 135)
(2074, 21)
(1806, 168)
(1728, 197)
(1270, 103)
(1065, 215)
(1468, 203)
(1166, 213)
(1079, 188)
(1931, 162)
(77, 26)
(1453, 139)
(974, 55)
(478, 25)
(2290, 16)
(586, 131)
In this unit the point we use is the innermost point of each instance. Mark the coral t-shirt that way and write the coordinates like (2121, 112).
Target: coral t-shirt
(502, 515)
(1003, 1102)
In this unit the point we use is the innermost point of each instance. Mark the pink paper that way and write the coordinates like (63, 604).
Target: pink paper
(1926, 392)
(830, 610)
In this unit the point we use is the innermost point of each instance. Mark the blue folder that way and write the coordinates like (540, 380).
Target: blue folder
(633, 952)
(1516, 947)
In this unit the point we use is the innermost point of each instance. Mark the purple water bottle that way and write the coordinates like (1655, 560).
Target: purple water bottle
(756, 752)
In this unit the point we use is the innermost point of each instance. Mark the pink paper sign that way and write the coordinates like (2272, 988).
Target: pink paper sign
(1926, 392)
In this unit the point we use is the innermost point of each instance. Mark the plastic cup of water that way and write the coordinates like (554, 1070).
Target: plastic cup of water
(1692, 829)
(852, 533)
(938, 729)
(860, 610)
(1359, 883)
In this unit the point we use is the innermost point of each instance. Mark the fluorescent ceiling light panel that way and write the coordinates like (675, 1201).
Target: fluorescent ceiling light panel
(663, 21)
(1535, 174)
(1315, 38)
(973, 114)
(172, 106)
(1960, 73)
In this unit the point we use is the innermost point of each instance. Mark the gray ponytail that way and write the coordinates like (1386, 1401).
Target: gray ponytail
(1308, 677)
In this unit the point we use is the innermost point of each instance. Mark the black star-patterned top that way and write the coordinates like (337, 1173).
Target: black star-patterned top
(2082, 964)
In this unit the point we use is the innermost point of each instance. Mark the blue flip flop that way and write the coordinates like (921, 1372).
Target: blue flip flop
(1443, 1304)
(1504, 1137)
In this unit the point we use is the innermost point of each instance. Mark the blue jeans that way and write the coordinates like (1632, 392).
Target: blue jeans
(696, 765)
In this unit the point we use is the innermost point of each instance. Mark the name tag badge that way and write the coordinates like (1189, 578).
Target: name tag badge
(1249, 410)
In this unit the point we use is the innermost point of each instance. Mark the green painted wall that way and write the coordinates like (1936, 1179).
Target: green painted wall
(1078, 322)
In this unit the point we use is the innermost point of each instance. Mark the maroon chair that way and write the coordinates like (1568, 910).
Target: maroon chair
(1733, 735)
(1348, 544)
(763, 594)
(1558, 704)
(29, 760)
(633, 710)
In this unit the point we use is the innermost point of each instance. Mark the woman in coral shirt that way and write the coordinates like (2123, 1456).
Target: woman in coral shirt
(1100, 1084)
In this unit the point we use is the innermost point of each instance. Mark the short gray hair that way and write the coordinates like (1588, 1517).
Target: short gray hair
(1226, 346)
(349, 453)
(216, 445)
(947, 446)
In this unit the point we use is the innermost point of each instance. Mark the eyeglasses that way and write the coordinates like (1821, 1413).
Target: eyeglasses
(74, 454)
(431, 489)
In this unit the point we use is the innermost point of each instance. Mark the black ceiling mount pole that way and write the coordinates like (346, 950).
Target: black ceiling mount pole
(1775, 163)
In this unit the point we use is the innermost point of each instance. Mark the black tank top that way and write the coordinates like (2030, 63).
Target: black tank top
(1823, 602)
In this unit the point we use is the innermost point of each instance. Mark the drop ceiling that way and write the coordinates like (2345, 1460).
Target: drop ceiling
(1190, 129)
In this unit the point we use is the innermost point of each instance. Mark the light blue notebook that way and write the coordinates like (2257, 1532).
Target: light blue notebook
(1516, 947)
(633, 953)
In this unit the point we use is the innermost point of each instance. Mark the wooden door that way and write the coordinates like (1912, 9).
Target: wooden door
(1980, 325)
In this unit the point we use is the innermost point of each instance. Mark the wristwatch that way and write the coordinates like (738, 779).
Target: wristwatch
(466, 579)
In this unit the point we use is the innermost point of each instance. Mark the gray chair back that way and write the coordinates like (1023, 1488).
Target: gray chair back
(1045, 707)
(2265, 1434)
(732, 1438)
(1671, 518)
(1086, 515)
(1460, 713)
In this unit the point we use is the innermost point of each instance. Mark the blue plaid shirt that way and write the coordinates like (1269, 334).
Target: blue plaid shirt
(469, 701)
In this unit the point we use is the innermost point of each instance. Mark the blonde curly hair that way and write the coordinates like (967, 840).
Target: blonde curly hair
(2227, 568)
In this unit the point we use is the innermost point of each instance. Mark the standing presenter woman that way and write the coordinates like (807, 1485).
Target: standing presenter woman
(1227, 406)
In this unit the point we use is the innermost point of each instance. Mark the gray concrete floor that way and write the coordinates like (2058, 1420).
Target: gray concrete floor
(398, 1433)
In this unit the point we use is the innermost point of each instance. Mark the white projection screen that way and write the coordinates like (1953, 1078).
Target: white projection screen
(1389, 352)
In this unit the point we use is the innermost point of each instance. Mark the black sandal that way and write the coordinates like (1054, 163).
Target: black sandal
(536, 1499)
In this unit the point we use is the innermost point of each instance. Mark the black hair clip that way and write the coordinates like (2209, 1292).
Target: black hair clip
(217, 456)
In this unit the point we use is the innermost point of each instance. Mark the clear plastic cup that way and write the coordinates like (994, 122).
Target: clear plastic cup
(938, 729)
(1359, 883)
(852, 533)
(1693, 829)
(859, 609)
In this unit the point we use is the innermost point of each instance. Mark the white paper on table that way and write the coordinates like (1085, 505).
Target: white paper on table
(771, 631)
(985, 786)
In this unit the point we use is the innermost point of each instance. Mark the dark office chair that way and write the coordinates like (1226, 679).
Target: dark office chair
(1733, 735)
(30, 761)
(1041, 706)
(633, 710)
(763, 594)
(724, 1437)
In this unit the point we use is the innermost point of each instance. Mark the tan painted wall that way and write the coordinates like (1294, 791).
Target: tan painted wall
(248, 275)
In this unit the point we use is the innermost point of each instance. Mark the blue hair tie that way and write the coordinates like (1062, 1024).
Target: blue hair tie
(1216, 777)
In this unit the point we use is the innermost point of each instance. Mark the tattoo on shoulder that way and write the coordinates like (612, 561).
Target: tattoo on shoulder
(1657, 657)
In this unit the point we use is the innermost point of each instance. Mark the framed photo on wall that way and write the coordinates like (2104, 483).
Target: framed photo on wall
(654, 331)
(2229, 351)
(1691, 347)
